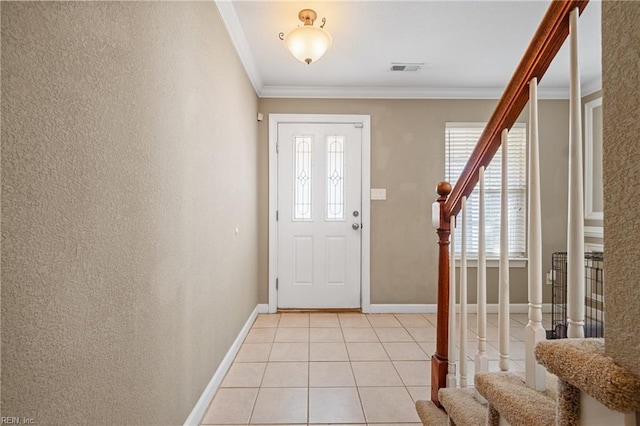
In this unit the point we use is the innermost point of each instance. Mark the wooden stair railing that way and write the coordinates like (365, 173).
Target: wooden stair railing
(545, 44)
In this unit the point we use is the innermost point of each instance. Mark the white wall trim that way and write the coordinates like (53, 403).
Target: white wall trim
(402, 308)
(396, 92)
(589, 213)
(492, 308)
(591, 86)
(365, 259)
(274, 120)
(273, 206)
(514, 308)
(594, 413)
(200, 409)
(495, 262)
(239, 39)
(594, 231)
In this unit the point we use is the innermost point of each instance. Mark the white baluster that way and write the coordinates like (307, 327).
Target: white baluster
(503, 296)
(534, 332)
(451, 373)
(575, 228)
(463, 295)
(481, 359)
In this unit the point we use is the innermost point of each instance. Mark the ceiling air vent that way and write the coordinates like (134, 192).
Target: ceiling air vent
(406, 67)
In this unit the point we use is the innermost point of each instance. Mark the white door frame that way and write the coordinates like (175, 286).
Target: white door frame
(365, 120)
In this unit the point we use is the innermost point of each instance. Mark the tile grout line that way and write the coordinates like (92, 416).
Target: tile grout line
(391, 360)
(394, 365)
(255, 401)
(353, 374)
(309, 373)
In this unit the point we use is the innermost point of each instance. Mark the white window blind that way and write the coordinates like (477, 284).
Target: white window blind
(460, 140)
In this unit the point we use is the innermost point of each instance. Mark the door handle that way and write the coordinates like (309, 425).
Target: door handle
(356, 226)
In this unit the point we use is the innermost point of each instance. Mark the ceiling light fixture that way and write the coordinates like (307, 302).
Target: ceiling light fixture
(307, 43)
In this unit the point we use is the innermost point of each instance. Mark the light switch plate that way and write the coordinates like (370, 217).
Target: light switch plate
(378, 193)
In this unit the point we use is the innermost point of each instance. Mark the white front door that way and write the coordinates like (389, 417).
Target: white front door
(319, 215)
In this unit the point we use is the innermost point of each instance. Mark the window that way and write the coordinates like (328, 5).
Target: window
(335, 178)
(302, 173)
(460, 139)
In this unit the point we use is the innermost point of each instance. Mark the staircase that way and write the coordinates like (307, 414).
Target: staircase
(587, 381)
(565, 382)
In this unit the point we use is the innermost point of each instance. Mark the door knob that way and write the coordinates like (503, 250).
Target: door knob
(356, 226)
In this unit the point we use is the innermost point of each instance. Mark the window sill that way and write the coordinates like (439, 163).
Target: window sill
(519, 262)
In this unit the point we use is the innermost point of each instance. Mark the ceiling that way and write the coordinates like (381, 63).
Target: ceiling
(469, 48)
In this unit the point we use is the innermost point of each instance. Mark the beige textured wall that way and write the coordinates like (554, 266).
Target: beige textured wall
(407, 158)
(129, 153)
(621, 122)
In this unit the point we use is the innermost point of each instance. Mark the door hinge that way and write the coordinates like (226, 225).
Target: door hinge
(277, 147)
(358, 125)
(277, 215)
(277, 282)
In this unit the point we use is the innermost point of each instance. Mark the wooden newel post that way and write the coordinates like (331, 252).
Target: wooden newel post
(439, 360)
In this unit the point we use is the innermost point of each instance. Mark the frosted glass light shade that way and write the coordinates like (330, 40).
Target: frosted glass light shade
(308, 43)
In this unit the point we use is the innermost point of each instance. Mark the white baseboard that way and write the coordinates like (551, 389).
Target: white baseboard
(200, 409)
(402, 308)
(514, 308)
(263, 308)
(492, 308)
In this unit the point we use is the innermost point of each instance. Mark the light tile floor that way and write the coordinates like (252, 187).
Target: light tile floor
(341, 368)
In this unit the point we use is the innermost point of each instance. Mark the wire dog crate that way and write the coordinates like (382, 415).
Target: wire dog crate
(594, 295)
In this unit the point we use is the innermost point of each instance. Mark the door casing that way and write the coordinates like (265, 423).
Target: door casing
(365, 120)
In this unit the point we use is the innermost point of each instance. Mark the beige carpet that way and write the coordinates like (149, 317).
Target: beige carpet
(582, 363)
(462, 406)
(517, 404)
(430, 414)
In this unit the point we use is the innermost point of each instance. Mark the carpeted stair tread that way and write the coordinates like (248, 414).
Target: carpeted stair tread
(517, 404)
(582, 363)
(430, 414)
(462, 406)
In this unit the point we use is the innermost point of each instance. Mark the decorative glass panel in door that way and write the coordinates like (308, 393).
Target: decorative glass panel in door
(302, 177)
(335, 178)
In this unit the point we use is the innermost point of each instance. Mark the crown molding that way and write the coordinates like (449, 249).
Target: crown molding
(396, 93)
(240, 42)
(591, 86)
